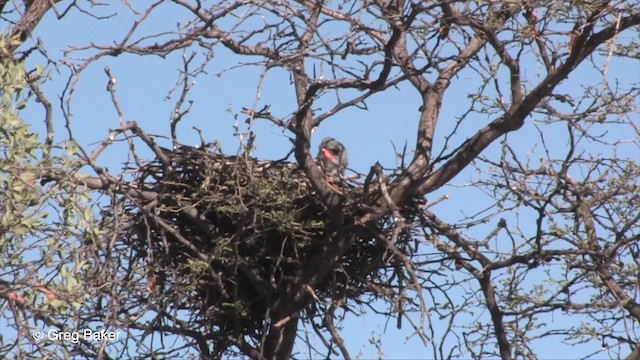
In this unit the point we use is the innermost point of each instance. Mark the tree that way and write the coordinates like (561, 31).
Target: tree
(191, 251)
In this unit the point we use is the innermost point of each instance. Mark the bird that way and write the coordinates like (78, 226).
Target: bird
(332, 157)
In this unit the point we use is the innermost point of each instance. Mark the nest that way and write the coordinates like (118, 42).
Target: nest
(226, 235)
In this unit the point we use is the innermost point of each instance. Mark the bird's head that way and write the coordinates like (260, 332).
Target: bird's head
(332, 156)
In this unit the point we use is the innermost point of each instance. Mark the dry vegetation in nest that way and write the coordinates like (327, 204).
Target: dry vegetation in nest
(225, 235)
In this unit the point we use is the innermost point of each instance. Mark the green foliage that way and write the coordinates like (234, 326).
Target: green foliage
(18, 146)
(43, 221)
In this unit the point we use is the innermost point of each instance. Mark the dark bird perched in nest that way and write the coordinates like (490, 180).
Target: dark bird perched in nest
(332, 156)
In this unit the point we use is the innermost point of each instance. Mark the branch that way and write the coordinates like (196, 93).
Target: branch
(35, 11)
(328, 320)
(496, 315)
(514, 119)
(48, 117)
(432, 101)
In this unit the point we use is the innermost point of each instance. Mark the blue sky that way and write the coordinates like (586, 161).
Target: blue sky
(143, 84)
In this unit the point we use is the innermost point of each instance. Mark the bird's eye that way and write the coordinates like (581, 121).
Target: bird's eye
(335, 151)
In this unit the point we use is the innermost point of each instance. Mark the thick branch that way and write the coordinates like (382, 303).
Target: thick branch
(496, 316)
(35, 11)
(432, 101)
(515, 118)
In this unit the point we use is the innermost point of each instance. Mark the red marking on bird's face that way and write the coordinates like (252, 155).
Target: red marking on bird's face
(327, 154)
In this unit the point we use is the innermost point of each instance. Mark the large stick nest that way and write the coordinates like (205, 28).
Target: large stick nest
(226, 235)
